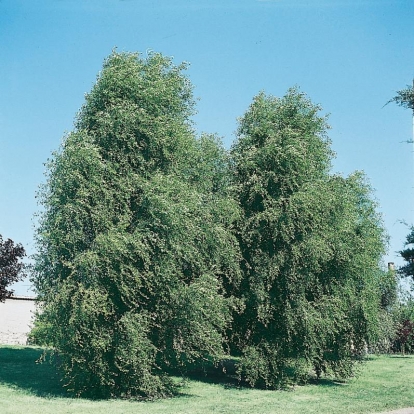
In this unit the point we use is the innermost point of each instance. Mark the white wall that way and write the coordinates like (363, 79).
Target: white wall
(15, 321)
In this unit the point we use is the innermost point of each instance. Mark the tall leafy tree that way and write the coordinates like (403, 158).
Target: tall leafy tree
(11, 266)
(311, 245)
(405, 99)
(135, 252)
(408, 255)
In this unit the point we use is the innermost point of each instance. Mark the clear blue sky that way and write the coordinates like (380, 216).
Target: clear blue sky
(348, 55)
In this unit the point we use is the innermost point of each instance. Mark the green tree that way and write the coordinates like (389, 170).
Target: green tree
(311, 245)
(11, 267)
(404, 312)
(408, 255)
(385, 332)
(134, 248)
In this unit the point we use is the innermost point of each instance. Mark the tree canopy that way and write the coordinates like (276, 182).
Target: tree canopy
(408, 255)
(135, 247)
(311, 244)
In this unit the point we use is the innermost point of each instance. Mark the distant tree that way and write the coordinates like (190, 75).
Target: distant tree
(404, 318)
(135, 252)
(388, 287)
(408, 255)
(404, 341)
(311, 244)
(11, 268)
(405, 98)
(382, 341)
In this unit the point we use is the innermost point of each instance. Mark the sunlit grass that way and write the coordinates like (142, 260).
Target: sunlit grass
(384, 383)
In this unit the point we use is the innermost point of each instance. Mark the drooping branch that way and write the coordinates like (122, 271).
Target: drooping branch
(404, 97)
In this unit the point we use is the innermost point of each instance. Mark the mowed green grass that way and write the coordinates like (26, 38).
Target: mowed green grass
(384, 383)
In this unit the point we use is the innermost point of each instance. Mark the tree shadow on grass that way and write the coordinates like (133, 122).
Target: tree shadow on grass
(327, 382)
(19, 369)
(223, 373)
(400, 356)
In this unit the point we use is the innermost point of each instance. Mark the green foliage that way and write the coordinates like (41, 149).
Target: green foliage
(386, 326)
(311, 244)
(11, 268)
(404, 313)
(404, 97)
(135, 252)
(408, 255)
(403, 339)
(155, 247)
(388, 287)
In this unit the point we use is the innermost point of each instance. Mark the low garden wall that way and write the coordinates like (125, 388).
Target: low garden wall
(15, 320)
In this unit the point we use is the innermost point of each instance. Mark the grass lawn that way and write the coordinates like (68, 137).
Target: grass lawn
(384, 383)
